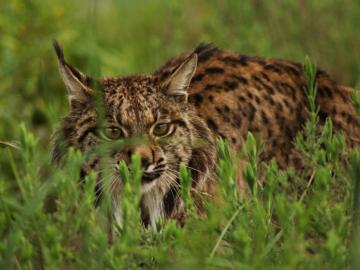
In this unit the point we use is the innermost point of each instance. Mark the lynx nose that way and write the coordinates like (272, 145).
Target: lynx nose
(150, 161)
(147, 155)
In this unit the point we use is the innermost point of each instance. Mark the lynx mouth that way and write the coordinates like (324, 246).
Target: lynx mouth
(150, 177)
(153, 172)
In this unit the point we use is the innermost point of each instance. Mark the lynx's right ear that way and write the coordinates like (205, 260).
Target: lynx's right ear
(178, 83)
(77, 83)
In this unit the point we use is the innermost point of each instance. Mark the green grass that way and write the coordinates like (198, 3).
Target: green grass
(298, 220)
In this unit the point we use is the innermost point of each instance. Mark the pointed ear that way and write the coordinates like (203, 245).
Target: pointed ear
(178, 83)
(77, 83)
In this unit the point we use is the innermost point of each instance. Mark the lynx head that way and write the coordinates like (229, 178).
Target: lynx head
(152, 108)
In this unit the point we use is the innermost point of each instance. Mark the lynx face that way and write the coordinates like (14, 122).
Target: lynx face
(152, 110)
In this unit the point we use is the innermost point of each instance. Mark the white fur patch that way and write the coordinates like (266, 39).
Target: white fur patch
(153, 201)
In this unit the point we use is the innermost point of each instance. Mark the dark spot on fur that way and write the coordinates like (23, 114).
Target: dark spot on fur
(325, 91)
(241, 79)
(241, 98)
(231, 85)
(279, 106)
(198, 77)
(197, 98)
(264, 75)
(252, 111)
(226, 119)
(286, 102)
(222, 135)
(295, 71)
(270, 99)
(237, 121)
(264, 117)
(249, 94)
(214, 70)
(342, 95)
(300, 116)
(289, 132)
(333, 111)
(272, 68)
(280, 119)
(322, 115)
(82, 174)
(212, 125)
(235, 61)
(256, 130)
(287, 89)
(259, 61)
(212, 87)
(256, 79)
(350, 119)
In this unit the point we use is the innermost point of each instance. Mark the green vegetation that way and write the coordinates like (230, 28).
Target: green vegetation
(298, 220)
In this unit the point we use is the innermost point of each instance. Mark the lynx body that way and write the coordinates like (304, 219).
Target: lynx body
(183, 107)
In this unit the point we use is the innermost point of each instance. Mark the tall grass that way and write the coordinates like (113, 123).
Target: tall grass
(298, 220)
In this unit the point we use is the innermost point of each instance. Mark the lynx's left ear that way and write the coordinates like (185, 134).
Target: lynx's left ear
(178, 83)
(77, 83)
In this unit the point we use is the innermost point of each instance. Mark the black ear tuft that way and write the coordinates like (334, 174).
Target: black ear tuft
(79, 85)
(58, 51)
(204, 47)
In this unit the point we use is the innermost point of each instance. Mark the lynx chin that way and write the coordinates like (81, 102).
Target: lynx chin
(178, 112)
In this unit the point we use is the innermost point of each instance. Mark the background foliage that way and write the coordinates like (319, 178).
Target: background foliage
(276, 228)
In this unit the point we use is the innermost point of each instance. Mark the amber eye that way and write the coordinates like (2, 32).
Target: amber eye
(113, 133)
(162, 129)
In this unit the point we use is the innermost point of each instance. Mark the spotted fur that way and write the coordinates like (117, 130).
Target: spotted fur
(235, 94)
(205, 94)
